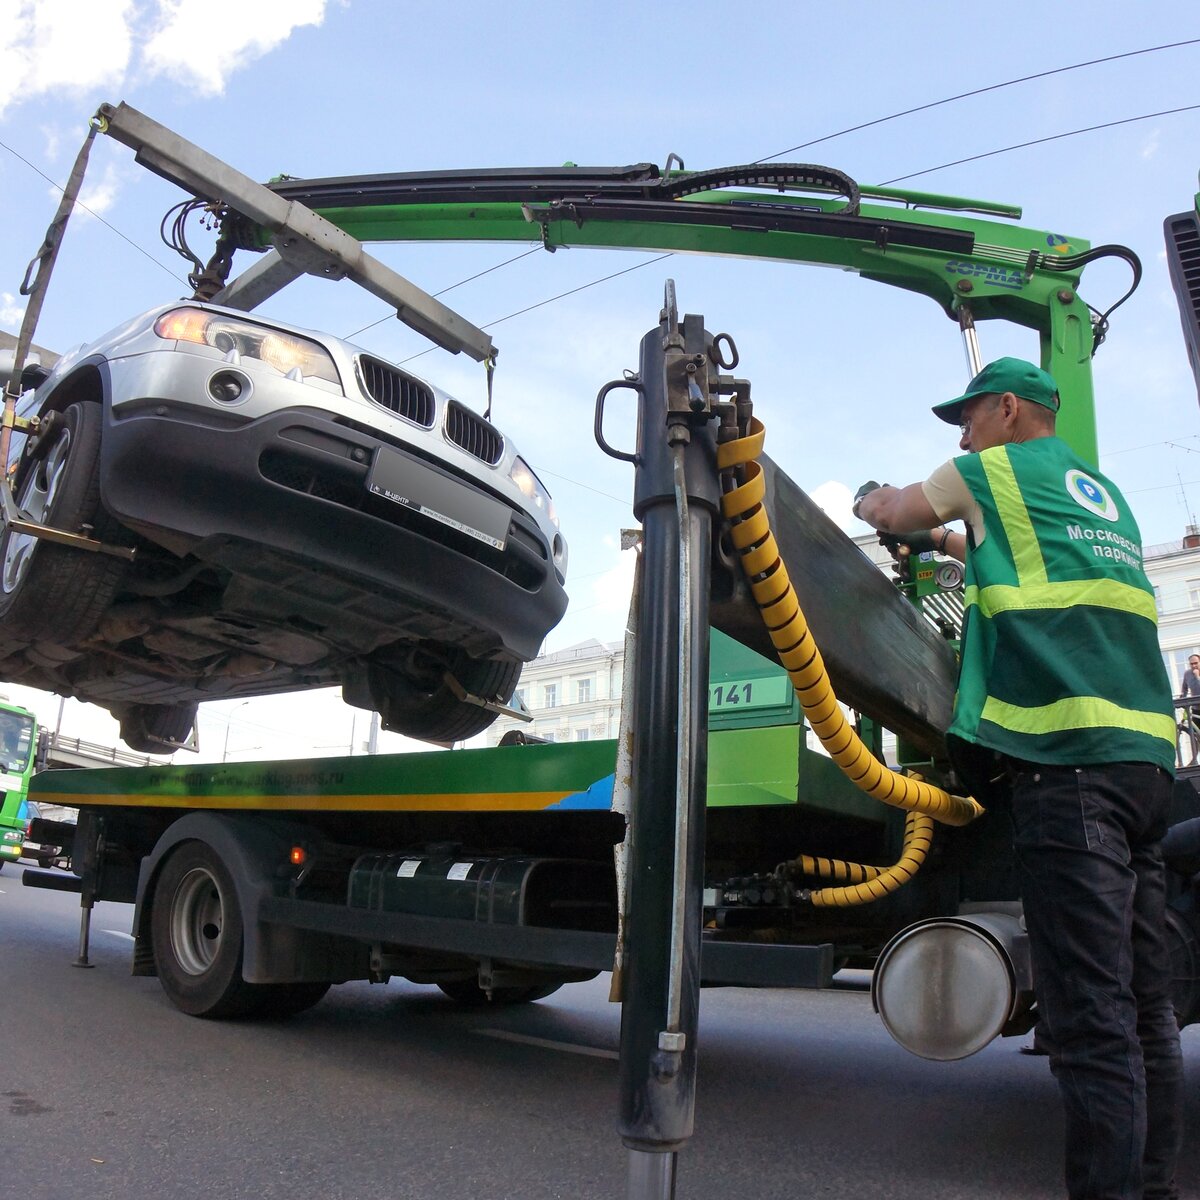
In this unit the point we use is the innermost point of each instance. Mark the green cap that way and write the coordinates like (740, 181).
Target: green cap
(1004, 375)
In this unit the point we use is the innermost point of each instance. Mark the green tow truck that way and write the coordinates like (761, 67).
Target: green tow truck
(713, 841)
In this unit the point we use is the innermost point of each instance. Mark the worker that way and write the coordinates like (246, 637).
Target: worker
(1064, 707)
(1189, 685)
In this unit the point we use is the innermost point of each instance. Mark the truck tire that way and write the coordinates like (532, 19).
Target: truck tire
(468, 993)
(53, 592)
(196, 936)
(436, 714)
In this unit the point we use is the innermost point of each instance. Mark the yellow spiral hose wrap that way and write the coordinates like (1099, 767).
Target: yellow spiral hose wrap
(772, 590)
(875, 881)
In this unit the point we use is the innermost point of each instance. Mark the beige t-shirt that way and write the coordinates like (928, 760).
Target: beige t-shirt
(951, 499)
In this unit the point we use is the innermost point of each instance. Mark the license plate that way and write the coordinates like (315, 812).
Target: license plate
(419, 487)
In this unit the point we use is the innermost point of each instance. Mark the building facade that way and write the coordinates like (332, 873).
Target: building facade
(1174, 570)
(573, 695)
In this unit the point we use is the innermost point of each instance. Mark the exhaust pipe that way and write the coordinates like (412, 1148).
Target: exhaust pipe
(947, 986)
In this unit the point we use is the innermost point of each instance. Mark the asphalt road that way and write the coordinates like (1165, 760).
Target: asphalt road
(108, 1093)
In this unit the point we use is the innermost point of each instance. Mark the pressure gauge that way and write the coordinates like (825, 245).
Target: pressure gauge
(949, 576)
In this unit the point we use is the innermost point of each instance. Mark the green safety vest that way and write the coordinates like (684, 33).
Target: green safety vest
(1060, 658)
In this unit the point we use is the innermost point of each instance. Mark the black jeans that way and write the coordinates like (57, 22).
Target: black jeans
(1087, 840)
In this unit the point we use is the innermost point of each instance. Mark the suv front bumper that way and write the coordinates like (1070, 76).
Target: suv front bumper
(296, 484)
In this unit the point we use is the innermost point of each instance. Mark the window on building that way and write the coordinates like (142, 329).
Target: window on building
(1193, 587)
(550, 695)
(583, 691)
(582, 735)
(1158, 599)
(522, 697)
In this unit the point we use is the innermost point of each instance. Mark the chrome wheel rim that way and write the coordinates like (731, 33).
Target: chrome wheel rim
(35, 501)
(197, 921)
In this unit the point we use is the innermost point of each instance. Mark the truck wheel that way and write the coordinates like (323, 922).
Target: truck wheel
(436, 714)
(50, 591)
(196, 935)
(156, 728)
(468, 993)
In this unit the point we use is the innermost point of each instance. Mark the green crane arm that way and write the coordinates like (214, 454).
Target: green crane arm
(950, 249)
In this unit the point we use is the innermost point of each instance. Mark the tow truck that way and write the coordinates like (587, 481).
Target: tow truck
(501, 874)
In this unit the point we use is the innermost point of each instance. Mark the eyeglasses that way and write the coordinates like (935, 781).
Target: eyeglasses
(983, 405)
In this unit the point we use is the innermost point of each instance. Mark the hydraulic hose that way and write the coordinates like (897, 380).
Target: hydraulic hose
(771, 587)
(867, 883)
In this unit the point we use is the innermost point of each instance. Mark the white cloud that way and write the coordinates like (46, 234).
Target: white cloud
(611, 591)
(57, 45)
(68, 46)
(99, 194)
(11, 309)
(200, 43)
(53, 141)
(1150, 146)
(835, 499)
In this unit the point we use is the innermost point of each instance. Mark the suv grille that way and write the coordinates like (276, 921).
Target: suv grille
(405, 396)
(473, 434)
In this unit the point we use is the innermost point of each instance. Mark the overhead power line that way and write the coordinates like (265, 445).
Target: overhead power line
(583, 287)
(993, 87)
(928, 170)
(1167, 112)
(58, 187)
(451, 287)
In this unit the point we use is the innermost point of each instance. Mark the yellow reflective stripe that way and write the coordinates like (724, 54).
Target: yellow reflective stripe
(414, 802)
(1097, 593)
(1077, 712)
(1014, 516)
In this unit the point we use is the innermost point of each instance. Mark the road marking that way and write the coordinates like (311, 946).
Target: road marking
(525, 1039)
(118, 933)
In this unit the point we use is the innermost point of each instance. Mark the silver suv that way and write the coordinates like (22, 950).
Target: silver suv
(301, 513)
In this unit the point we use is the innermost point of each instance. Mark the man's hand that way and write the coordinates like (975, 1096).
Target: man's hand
(866, 489)
(893, 509)
(918, 541)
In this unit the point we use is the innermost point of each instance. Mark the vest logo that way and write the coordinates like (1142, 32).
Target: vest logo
(1089, 494)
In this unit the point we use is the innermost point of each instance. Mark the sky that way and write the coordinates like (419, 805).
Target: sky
(843, 370)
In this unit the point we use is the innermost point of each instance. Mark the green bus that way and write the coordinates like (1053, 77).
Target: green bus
(18, 751)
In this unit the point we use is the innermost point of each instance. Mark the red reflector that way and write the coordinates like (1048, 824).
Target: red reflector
(298, 856)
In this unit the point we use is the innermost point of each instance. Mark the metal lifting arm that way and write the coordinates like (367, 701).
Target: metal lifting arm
(992, 269)
(303, 241)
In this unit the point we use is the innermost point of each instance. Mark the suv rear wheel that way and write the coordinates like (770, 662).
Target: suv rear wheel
(431, 709)
(156, 728)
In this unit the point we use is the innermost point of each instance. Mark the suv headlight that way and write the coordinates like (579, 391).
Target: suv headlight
(531, 487)
(297, 357)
